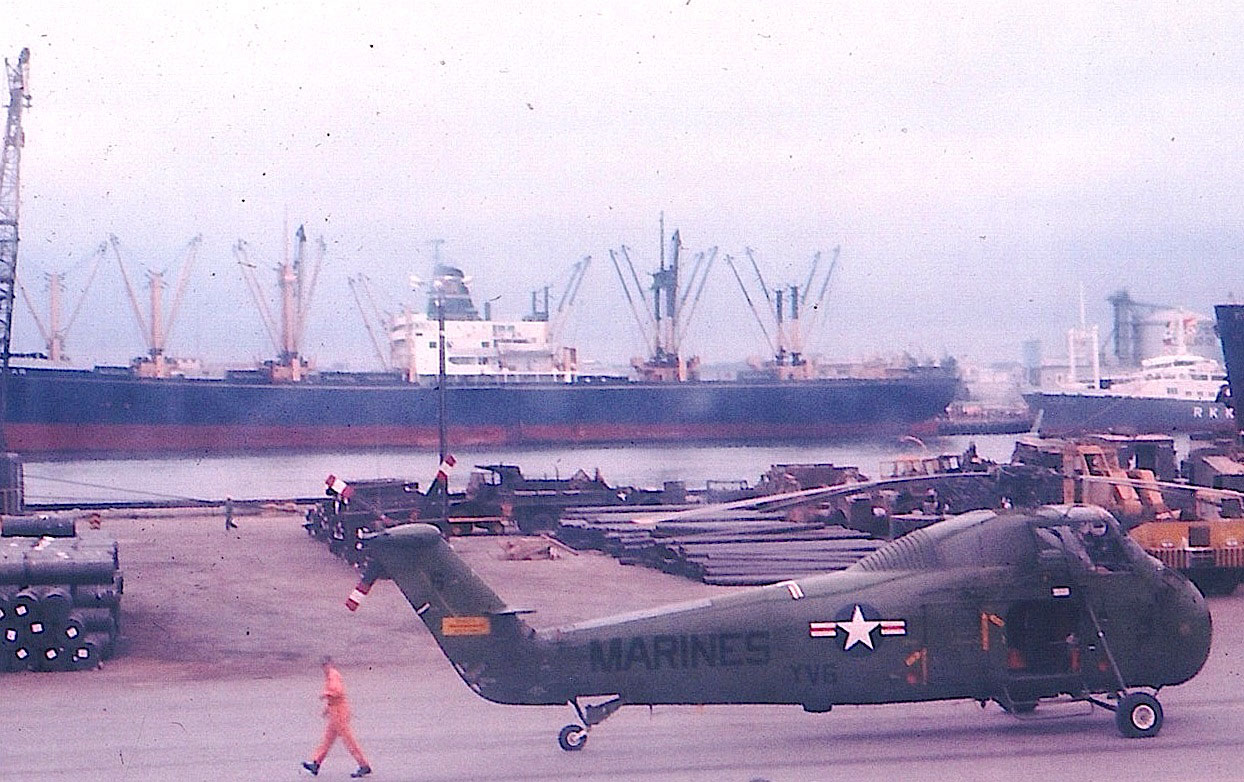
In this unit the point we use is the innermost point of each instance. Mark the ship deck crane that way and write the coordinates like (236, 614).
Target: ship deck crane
(570, 294)
(53, 331)
(568, 358)
(361, 283)
(647, 328)
(788, 304)
(750, 304)
(158, 325)
(666, 317)
(699, 276)
(818, 308)
(565, 357)
(296, 293)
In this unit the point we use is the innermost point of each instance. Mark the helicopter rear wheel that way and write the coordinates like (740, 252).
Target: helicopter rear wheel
(1138, 715)
(1020, 707)
(572, 738)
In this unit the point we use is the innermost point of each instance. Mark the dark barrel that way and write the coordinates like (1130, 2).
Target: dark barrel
(96, 620)
(72, 629)
(24, 605)
(12, 566)
(55, 602)
(37, 527)
(17, 658)
(49, 657)
(75, 566)
(82, 656)
(98, 645)
(96, 595)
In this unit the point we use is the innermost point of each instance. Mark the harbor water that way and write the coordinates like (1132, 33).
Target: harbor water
(300, 475)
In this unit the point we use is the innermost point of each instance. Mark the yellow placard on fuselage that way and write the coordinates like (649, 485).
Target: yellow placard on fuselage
(465, 625)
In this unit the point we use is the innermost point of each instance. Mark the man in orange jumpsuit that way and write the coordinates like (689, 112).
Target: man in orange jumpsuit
(338, 713)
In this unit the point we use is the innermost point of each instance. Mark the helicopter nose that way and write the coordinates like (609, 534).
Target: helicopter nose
(1190, 630)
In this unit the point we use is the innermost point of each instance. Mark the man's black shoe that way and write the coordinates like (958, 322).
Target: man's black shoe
(312, 766)
(362, 771)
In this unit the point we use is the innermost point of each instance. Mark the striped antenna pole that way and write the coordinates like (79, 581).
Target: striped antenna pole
(339, 488)
(442, 424)
(356, 596)
(442, 477)
(371, 572)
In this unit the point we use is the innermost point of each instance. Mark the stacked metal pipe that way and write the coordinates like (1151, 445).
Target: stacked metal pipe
(739, 548)
(60, 594)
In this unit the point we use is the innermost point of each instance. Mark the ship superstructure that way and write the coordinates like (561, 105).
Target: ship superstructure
(477, 348)
(1175, 390)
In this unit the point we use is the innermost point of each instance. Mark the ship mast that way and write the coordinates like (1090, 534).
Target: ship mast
(295, 292)
(665, 317)
(52, 333)
(793, 318)
(55, 330)
(290, 281)
(157, 325)
(10, 202)
(665, 288)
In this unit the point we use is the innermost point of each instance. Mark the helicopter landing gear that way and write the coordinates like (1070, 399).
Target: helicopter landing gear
(1138, 715)
(572, 737)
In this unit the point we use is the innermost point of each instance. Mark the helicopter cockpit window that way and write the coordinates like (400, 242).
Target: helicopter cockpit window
(1104, 547)
(1060, 544)
(1092, 544)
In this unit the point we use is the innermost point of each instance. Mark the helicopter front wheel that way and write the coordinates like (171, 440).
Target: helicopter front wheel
(572, 738)
(1138, 715)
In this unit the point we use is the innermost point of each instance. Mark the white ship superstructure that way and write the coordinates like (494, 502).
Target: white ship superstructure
(1184, 376)
(484, 350)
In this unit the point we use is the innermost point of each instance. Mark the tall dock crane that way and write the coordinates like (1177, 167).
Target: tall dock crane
(10, 202)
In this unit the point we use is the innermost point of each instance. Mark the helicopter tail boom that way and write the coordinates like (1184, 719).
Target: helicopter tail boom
(494, 651)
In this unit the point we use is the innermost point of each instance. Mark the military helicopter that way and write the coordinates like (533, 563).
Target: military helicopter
(1009, 606)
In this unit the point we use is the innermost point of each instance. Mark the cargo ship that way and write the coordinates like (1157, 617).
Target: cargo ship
(1180, 388)
(505, 385)
(1178, 393)
(490, 379)
(62, 411)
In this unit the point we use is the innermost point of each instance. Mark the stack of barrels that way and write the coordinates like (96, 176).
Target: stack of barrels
(60, 594)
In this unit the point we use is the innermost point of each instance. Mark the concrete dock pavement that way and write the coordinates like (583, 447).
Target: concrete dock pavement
(218, 680)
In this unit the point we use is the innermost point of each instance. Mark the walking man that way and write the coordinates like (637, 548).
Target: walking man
(337, 711)
(229, 514)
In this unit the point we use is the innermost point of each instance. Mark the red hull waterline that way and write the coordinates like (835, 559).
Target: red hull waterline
(34, 439)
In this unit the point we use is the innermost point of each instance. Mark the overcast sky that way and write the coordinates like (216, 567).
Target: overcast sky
(977, 163)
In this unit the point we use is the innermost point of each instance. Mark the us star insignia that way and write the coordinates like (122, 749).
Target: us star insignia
(858, 629)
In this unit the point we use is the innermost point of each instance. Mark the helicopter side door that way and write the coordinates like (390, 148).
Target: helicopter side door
(1053, 634)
